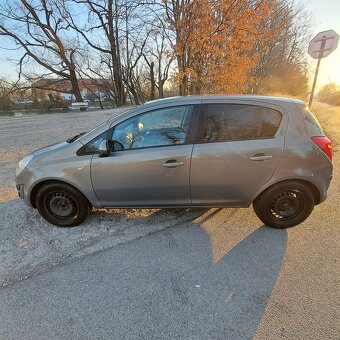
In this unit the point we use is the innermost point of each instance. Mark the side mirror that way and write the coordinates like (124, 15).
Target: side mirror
(103, 151)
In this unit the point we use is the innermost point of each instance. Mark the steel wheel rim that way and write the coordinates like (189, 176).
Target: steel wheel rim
(286, 205)
(62, 205)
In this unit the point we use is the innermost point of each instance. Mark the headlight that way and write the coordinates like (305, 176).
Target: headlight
(23, 163)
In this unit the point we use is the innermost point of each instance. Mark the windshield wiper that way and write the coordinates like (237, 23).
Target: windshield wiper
(72, 139)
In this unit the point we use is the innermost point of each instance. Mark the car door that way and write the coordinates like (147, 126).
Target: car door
(150, 161)
(237, 150)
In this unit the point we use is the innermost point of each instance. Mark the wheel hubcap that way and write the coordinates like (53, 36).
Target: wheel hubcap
(62, 205)
(286, 205)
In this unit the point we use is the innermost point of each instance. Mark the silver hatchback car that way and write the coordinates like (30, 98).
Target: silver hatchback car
(200, 151)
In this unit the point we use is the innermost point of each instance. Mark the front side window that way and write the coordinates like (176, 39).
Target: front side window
(93, 146)
(168, 126)
(232, 122)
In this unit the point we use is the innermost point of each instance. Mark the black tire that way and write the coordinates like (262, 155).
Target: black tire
(284, 205)
(62, 205)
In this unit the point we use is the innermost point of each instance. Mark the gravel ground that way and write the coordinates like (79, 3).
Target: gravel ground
(29, 245)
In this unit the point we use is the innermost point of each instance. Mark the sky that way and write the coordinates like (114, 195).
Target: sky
(325, 16)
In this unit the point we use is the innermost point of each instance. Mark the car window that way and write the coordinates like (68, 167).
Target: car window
(270, 122)
(168, 126)
(231, 122)
(93, 145)
(310, 118)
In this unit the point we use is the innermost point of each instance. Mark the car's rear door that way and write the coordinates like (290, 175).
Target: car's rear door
(237, 149)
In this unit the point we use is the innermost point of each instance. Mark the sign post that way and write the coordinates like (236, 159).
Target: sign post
(321, 46)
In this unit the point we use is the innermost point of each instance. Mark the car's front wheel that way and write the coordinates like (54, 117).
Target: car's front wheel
(62, 205)
(284, 205)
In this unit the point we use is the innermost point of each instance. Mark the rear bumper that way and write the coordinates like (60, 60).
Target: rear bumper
(323, 188)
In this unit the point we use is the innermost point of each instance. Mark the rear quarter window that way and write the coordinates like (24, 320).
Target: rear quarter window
(310, 118)
(270, 122)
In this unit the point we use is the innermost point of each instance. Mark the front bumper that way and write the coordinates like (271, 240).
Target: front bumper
(20, 189)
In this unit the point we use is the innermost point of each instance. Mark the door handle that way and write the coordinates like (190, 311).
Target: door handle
(260, 157)
(172, 163)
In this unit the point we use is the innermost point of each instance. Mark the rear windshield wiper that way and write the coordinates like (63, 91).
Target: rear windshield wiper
(72, 139)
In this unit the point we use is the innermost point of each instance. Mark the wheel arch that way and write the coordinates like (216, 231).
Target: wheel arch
(39, 185)
(314, 189)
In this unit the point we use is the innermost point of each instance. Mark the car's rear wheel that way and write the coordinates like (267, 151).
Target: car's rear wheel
(62, 205)
(285, 204)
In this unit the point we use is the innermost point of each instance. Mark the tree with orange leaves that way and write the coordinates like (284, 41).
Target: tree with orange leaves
(215, 42)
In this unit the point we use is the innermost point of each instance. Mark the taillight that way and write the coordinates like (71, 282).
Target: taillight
(325, 145)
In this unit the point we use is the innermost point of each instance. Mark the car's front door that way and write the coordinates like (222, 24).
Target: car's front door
(150, 163)
(236, 152)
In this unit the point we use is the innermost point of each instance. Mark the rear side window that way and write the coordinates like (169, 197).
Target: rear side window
(231, 122)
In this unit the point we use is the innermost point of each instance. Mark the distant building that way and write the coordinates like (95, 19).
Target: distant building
(91, 89)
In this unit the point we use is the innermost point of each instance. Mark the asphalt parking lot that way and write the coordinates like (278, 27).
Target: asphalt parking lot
(237, 278)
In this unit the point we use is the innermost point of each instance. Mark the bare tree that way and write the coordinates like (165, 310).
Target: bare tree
(116, 33)
(151, 66)
(38, 27)
(102, 35)
(135, 35)
(180, 17)
(159, 56)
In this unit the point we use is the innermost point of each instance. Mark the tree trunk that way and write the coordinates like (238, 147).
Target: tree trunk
(133, 90)
(75, 86)
(183, 88)
(161, 89)
(134, 94)
(183, 85)
(115, 56)
(153, 83)
(160, 81)
(100, 103)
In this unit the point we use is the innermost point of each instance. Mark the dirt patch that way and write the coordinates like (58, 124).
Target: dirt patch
(7, 194)
(13, 156)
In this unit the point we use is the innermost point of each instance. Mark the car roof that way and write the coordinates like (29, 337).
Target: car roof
(188, 99)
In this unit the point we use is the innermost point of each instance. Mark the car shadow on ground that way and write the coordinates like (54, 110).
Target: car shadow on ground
(29, 245)
(244, 276)
(208, 278)
(221, 275)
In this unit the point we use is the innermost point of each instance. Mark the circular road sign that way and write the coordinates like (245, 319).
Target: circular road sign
(323, 44)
